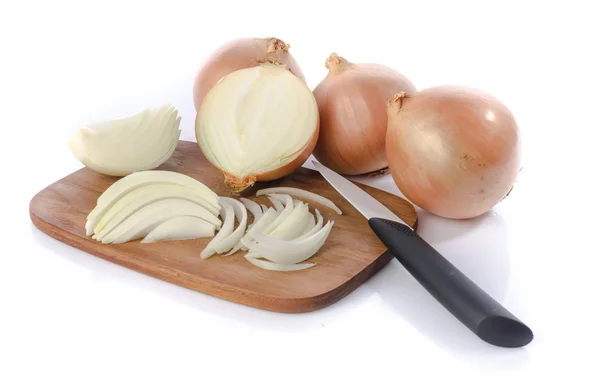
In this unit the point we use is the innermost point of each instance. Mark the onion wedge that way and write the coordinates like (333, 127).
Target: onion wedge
(180, 228)
(136, 180)
(228, 215)
(270, 266)
(140, 223)
(146, 195)
(288, 252)
(297, 192)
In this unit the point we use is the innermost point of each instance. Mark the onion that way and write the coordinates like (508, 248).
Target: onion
(276, 203)
(180, 228)
(453, 151)
(264, 208)
(242, 217)
(300, 193)
(257, 124)
(241, 54)
(129, 183)
(143, 221)
(294, 225)
(123, 146)
(275, 266)
(352, 107)
(315, 227)
(265, 220)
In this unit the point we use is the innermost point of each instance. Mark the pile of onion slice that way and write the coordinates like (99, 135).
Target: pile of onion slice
(257, 124)
(119, 147)
(281, 237)
(156, 206)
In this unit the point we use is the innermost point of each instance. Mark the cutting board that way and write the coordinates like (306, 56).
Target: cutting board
(350, 256)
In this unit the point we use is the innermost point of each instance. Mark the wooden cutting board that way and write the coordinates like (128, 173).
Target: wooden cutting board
(351, 254)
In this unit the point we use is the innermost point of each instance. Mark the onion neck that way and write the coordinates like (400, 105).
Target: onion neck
(275, 45)
(239, 185)
(337, 64)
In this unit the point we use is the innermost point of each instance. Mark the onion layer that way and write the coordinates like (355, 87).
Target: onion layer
(241, 54)
(352, 107)
(257, 124)
(453, 151)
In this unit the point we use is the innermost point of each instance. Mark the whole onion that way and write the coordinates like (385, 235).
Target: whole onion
(352, 107)
(453, 151)
(241, 54)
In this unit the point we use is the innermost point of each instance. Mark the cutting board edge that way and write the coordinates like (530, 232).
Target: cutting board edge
(213, 289)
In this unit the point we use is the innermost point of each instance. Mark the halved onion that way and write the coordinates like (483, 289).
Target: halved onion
(180, 228)
(136, 180)
(140, 223)
(139, 142)
(300, 193)
(257, 124)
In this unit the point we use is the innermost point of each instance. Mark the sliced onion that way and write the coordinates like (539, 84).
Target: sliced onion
(313, 227)
(270, 266)
(297, 192)
(288, 252)
(136, 180)
(228, 215)
(242, 217)
(139, 142)
(287, 211)
(144, 196)
(294, 225)
(277, 204)
(140, 223)
(264, 208)
(180, 228)
(265, 220)
(253, 207)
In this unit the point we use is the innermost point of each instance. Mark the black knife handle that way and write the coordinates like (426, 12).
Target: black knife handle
(477, 310)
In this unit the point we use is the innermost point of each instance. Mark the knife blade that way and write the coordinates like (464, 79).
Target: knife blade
(471, 305)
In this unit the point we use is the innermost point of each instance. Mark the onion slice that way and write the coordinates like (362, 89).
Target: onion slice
(276, 203)
(293, 226)
(264, 208)
(289, 208)
(288, 252)
(265, 220)
(314, 228)
(228, 215)
(253, 207)
(297, 192)
(180, 228)
(242, 217)
(276, 267)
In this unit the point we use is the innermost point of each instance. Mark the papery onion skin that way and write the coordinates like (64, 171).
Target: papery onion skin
(453, 151)
(352, 107)
(240, 54)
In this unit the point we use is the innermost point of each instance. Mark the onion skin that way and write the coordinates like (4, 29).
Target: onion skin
(453, 151)
(240, 54)
(352, 106)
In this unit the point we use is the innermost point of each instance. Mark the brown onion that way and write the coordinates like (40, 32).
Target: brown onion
(453, 151)
(352, 106)
(240, 54)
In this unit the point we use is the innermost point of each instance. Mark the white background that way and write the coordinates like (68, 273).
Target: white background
(66, 315)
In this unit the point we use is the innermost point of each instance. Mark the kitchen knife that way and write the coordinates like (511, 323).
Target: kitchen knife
(472, 306)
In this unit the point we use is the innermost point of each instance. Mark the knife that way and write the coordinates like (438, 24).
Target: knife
(472, 306)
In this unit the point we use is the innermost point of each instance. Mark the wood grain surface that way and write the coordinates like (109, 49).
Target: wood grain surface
(351, 255)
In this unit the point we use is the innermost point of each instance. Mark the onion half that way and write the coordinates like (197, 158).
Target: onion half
(453, 151)
(352, 106)
(257, 124)
(241, 54)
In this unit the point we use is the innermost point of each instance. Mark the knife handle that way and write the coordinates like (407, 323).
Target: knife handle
(477, 310)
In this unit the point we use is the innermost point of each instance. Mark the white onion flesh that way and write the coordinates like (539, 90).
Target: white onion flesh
(228, 215)
(264, 208)
(253, 207)
(293, 226)
(144, 196)
(265, 220)
(180, 228)
(140, 223)
(131, 182)
(313, 227)
(242, 217)
(297, 192)
(277, 204)
(256, 120)
(287, 211)
(275, 266)
(288, 252)
(139, 142)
